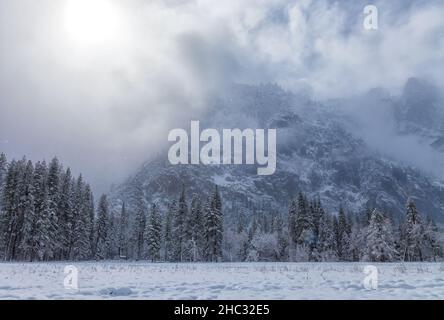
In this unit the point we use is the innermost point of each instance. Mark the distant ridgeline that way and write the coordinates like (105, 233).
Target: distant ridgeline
(46, 215)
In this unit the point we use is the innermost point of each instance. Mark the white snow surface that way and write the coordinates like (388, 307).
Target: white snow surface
(143, 280)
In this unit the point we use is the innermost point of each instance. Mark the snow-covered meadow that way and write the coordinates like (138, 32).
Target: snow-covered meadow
(119, 280)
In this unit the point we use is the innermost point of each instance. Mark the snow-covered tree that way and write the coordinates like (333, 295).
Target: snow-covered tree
(342, 235)
(432, 242)
(41, 245)
(102, 228)
(326, 244)
(282, 238)
(3, 170)
(112, 236)
(154, 234)
(53, 203)
(139, 227)
(412, 237)
(65, 215)
(179, 231)
(37, 212)
(380, 245)
(29, 214)
(83, 224)
(213, 218)
(89, 216)
(168, 231)
(194, 235)
(264, 247)
(123, 232)
(301, 229)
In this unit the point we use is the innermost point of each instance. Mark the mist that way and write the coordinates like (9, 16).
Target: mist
(104, 107)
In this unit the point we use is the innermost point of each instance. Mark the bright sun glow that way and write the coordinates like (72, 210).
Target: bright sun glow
(92, 22)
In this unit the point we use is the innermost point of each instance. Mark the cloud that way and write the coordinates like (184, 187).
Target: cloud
(106, 109)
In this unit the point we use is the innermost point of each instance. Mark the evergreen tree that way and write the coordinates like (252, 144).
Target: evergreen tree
(380, 245)
(432, 241)
(38, 210)
(179, 231)
(342, 239)
(81, 239)
(102, 228)
(41, 247)
(412, 234)
(112, 236)
(327, 239)
(302, 229)
(3, 170)
(22, 205)
(65, 216)
(139, 227)
(195, 225)
(53, 183)
(282, 242)
(154, 234)
(168, 231)
(123, 232)
(89, 216)
(214, 227)
(292, 214)
(28, 231)
(9, 210)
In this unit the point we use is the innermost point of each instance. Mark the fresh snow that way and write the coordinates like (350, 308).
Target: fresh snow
(142, 280)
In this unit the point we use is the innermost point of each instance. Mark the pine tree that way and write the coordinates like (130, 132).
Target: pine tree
(42, 246)
(301, 229)
(179, 231)
(154, 234)
(102, 228)
(278, 229)
(3, 170)
(89, 216)
(28, 230)
(342, 239)
(432, 241)
(327, 239)
(123, 232)
(214, 227)
(412, 234)
(9, 210)
(194, 227)
(21, 194)
(37, 213)
(292, 214)
(112, 236)
(358, 242)
(240, 221)
(65, 216)
(139, 227)
(168, 231)
(380, 245)
(53, 203)
(81, 244)
(304, 223)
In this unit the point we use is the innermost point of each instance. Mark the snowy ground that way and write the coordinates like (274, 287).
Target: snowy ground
(118, 280)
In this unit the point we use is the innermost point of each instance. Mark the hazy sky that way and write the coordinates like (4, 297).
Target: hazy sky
(100, 82)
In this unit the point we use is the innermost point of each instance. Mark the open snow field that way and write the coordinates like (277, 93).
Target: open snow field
(132, 280)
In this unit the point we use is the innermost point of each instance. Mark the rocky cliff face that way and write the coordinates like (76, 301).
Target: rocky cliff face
(317, 153)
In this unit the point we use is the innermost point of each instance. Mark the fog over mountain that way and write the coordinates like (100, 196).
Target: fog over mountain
(105, 107)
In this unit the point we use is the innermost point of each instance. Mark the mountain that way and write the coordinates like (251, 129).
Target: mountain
(317, 153)
(420, 110)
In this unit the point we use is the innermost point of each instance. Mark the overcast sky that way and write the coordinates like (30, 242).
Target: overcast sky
(99, 84)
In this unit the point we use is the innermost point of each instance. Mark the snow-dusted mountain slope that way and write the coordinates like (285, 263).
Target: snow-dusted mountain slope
(318, 153)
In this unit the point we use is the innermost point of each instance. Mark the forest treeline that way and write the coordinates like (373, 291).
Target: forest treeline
(47, 214)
